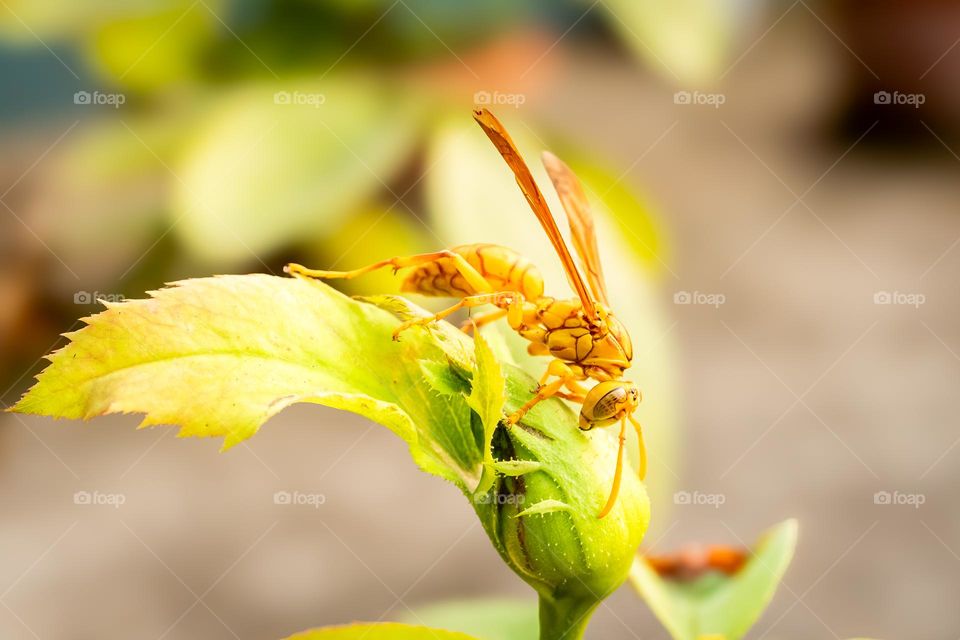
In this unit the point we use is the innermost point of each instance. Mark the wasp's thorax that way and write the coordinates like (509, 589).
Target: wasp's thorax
(608, 402)
(601, 347)
(612, 349)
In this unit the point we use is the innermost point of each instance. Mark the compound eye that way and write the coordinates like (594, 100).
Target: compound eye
(609, 404)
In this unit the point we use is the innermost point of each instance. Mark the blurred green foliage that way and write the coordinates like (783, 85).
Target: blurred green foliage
(252, 128)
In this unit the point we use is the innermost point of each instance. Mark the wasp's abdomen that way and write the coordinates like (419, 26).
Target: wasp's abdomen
(502, 268)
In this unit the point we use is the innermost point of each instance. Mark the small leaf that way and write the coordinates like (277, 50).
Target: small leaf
(544, 507)
(442, 378)
(485, 618)
(380, 631)
(516, 467)
(715, 604)
(486, 399)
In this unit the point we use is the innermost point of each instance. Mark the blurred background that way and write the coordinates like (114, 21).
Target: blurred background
(778, 189)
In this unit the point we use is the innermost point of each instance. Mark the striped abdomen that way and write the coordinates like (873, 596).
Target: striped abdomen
(502, 268)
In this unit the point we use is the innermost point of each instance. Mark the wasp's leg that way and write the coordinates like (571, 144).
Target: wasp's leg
(538, 349)
(470, 324)
(473, 277)
(464, 303)
(615, 489)
(557, 369)
(642, 453)
(544, 392)
(575, 386)
(572, 397)
(511, 304)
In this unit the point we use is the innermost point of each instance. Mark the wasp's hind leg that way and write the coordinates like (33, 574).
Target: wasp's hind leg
(473, 277)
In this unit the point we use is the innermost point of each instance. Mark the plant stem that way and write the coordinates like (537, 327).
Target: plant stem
(564, 618)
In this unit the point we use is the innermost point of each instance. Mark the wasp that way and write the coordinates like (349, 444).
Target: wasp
(581, 334)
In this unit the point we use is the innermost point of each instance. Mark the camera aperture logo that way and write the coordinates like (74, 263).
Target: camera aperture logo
(299, 499)
(487, 98)
(91, 297)
(897, 498)
(699, 297)
(904, 298)
(492, 497)
(715, 100)
(699, 498)
(899, 98)
(299, 98)
(97, 498)
(98, 98)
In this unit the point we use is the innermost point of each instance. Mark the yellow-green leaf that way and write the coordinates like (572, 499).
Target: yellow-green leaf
(486, 618)
(486, 399)
(219, 356)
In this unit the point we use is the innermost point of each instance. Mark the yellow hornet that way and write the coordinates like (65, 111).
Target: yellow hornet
(581, 334)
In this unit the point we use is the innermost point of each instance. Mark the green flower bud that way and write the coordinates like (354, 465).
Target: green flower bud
(541, 513)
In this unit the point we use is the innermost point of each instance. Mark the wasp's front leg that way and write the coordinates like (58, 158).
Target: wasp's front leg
(512, 305)
(544, 392)
(498, 298)
(565, 377)
(468, 325)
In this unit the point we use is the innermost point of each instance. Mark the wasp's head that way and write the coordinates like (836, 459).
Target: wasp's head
(608, 402)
